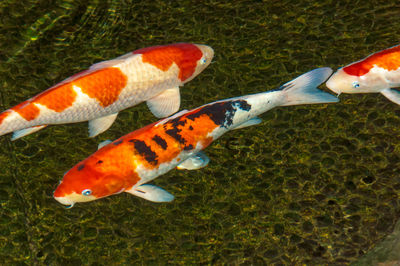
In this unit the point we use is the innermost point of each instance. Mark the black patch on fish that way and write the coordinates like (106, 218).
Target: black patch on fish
(174, 132)
(160, 141)
(118, 142)
(99, 162)
(80, 167)
(190, 128)
(221, 113)
(189, 147)
(144, 150)
(244, 105)
(177, 122)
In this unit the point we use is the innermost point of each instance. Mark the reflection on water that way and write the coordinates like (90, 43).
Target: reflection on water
(311, 184)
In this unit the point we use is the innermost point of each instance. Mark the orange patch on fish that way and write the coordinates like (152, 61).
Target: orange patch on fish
(197, 130)
(147, 152)
(184, 55)
(27, 110)
(155, 145)
(104, 85)
(57, 98)
(3, 115)
(388, 59)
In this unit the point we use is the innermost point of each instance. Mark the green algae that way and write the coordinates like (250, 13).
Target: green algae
(310, 185)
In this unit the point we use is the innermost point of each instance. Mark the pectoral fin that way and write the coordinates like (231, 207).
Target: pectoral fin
(392, 95)
(101, 124)
(26, 131)
(196, 161)
(151, 193)
(248, 123)
(109, 63)
(165, 103)
(163, 121)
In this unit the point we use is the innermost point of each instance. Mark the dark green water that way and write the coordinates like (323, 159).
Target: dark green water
(310, 185)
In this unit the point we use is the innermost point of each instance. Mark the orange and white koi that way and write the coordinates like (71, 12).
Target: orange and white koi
(379, 72)
(151, 74)
(128, 163)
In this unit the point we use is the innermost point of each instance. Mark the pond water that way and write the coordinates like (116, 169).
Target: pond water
(313, 184)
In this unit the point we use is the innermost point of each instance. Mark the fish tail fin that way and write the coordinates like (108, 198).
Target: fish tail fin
(303, 89)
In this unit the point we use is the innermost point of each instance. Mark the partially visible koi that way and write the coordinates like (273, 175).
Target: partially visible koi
(379, 72)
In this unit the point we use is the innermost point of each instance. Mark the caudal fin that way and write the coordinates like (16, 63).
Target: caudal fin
(303, 89)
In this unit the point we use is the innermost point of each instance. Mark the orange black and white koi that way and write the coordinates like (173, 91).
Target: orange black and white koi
(151, 74)
(128, 163)
(379, 72)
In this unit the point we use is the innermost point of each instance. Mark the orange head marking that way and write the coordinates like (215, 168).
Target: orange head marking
(367, 75)
(341, 82)
(388, 59)
(191, 59)
(108, 171)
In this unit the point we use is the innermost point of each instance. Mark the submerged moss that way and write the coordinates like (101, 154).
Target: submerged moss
(311, 184)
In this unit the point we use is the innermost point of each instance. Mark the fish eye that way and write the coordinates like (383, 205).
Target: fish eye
(356, 84)
(86, 192)
(203, 61)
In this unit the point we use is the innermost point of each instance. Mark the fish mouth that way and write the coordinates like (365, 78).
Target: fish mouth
(207, 51)
(330, 84)
(65, 201)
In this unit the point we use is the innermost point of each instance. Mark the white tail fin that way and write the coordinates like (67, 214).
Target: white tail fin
(303, 89)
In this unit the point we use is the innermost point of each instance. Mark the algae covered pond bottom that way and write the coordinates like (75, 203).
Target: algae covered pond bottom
(310, 185)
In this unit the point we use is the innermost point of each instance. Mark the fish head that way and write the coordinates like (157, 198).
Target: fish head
(88, 181)
(342, 82)
(203, 62)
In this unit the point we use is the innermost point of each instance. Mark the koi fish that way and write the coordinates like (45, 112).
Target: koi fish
(379, 72)
(151, 74)
(128, 163)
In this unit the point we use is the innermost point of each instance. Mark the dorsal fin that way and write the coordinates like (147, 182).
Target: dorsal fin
(163, 121)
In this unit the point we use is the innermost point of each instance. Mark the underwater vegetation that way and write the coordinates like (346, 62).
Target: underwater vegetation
(311, 184)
